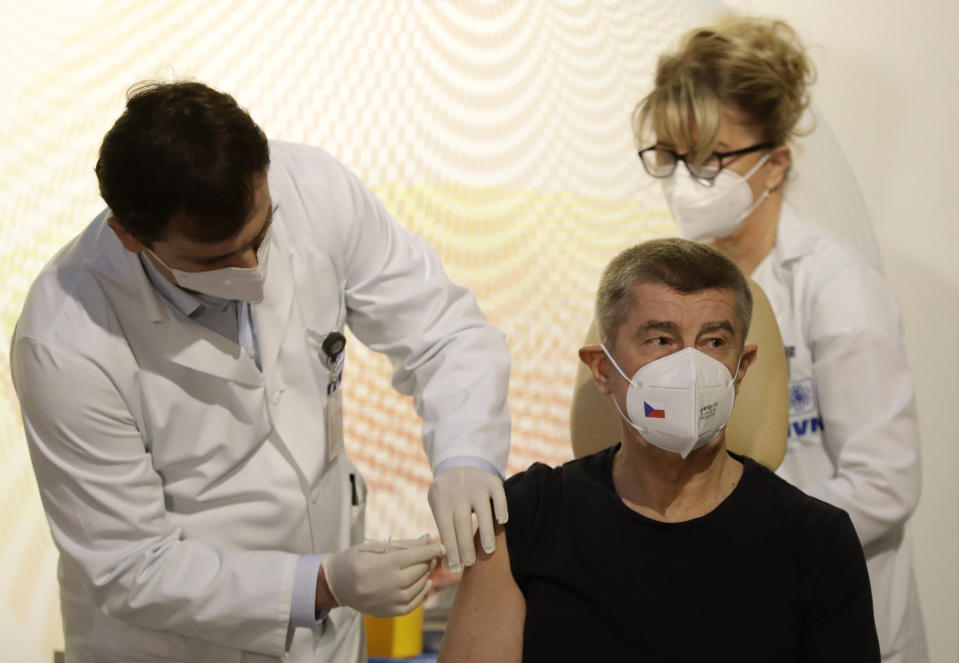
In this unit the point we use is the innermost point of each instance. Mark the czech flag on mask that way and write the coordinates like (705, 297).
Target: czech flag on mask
(653, 413)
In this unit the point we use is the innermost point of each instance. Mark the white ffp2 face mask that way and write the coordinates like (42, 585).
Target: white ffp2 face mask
(679, 402)
(709, 211)
(243, 283)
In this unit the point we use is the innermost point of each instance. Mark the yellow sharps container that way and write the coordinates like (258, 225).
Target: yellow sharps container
(395, 637)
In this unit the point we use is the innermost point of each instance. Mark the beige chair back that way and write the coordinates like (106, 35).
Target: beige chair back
(758, 425)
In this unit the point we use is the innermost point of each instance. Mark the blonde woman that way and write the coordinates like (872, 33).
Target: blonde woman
(716, 130)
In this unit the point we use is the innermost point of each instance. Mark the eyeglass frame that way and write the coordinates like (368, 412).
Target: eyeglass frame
(682, 157)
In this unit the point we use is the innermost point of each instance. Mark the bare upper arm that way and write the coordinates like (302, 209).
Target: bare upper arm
(486, 624)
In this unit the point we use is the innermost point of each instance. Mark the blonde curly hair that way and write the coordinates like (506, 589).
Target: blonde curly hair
(757, 67)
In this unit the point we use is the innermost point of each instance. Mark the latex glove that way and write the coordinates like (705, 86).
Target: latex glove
(454, 495)
(382, 578)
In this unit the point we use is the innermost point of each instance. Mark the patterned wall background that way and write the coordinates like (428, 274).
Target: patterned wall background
(497, 130)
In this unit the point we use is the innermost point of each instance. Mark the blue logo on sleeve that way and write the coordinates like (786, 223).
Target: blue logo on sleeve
(803, 409)
(802, 397)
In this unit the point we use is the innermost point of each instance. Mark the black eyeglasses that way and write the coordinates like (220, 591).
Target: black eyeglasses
(660, 162)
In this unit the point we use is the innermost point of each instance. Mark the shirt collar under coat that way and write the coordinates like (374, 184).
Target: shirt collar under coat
(139, 305)
(794, 237)
(184, 302)
(122, 270)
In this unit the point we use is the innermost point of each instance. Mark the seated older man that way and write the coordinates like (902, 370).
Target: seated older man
(666, 547)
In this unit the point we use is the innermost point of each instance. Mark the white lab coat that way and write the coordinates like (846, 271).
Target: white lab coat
(180, 482)
(853, 434)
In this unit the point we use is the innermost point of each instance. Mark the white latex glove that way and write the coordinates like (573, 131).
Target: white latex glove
(382, 578)
(454, 495)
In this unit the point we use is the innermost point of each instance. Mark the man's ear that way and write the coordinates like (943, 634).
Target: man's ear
(130, 243)
(594, 357)
(779, 160)
(750, 352)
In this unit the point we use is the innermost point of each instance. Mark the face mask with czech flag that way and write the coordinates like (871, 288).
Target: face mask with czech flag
(679, 402)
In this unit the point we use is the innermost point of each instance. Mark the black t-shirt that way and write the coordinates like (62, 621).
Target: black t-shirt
(771, 574)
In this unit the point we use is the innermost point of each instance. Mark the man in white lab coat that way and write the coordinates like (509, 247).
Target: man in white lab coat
(179, 366)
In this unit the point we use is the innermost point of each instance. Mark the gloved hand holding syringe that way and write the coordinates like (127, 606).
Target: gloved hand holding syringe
(380, 578)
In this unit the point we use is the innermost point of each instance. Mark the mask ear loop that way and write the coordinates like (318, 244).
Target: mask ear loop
(625, 418)
(615, 402)
(732, 384)
(766, 190)
(610, 357)
(757, 166)
(162, 262)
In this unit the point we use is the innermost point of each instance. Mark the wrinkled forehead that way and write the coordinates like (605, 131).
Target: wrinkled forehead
(659, 305)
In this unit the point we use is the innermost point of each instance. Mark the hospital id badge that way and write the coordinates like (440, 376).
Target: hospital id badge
(334, 423)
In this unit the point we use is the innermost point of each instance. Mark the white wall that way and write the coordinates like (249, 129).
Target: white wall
(888, 88)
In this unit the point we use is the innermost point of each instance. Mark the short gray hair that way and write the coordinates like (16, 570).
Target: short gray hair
(684, 266)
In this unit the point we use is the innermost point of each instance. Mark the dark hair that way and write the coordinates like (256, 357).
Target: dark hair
(680, 264)
(181, 150)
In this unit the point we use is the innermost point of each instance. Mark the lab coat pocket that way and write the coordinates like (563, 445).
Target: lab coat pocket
(113, 640)
(357, 490)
